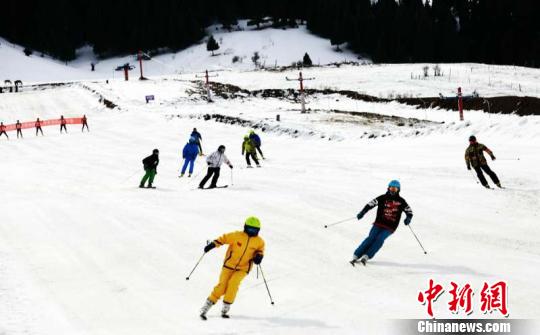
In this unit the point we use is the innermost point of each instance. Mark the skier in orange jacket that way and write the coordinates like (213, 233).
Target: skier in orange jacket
(245, 248)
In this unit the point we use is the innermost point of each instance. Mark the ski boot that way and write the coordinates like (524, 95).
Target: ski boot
(258, 166)
(364, 259)
(150, 186)
(206, 307)
(225, 310)
(354, 260)
(486, 186)
(249, 166)
(499, 185)
(189, 175)
(141, 186)
(181, 175)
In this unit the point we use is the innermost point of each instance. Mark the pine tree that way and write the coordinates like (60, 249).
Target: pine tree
(212, 45)
(307, 60)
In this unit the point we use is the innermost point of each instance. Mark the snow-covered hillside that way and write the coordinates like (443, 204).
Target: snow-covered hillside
(276, 47)
(84, 251)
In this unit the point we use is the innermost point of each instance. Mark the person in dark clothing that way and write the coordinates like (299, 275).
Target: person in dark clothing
(38, 127)
(18, 126)
(474, 155)
(389, 208)
(197, 136)
(63, 123)
(3, 130)
(84, 123)
(249, 148)
(256, 141)
(150, 164)
(214, 162)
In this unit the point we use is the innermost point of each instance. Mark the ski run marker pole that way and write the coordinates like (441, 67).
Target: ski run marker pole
(425, 252)
(266, 284)
(200, 259)
(336, 223)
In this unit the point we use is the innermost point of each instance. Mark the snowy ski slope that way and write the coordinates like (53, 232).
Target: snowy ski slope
(84, 251)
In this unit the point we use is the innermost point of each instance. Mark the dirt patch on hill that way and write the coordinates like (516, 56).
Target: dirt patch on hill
(505, 104)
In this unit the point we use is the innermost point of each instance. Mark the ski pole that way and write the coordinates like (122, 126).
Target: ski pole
(336, 223)
(200, 259)
(425, 252)
(266, 284)
(134, 173)
(508, 159)
(232, 183)
(474, 177)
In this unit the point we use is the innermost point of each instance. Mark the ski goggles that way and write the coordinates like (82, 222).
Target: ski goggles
(251, 231)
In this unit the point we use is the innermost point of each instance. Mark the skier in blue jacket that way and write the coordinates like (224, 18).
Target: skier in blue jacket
(389, 208)
(190, 152)
(256, 141)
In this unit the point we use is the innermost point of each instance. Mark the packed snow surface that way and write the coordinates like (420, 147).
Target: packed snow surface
(83, 250)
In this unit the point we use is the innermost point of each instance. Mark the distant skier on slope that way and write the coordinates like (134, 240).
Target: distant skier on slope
(474, 155)
(249, 148)
(198, 137)
(38, 127)
(245, 249)
(63, 123)
(214, 162)
(84, 123)
(18, 126)
(256, 141)
(390, 206)
(150, 164)
(189, 154)
(3, 130)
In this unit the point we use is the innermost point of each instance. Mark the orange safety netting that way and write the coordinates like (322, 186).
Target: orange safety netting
(43, 123)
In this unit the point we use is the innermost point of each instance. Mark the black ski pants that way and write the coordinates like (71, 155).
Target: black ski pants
(254, 156)
(487, 170)
(212, 172)
(259, 150)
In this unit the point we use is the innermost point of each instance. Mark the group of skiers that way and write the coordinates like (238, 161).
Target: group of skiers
(38, 123)
(246, 248)
(250, 146)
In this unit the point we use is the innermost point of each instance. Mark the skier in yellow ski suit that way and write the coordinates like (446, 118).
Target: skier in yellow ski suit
(245, 248)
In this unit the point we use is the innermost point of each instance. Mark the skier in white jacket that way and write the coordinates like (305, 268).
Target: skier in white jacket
(214, 162)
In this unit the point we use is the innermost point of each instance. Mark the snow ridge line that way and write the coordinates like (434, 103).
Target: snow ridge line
(262, 125)
(521, 106)
(295, 133)
(108, 103)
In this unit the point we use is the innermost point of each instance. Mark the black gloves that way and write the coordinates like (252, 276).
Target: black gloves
(230, 165)
(407, 220)
(257, 259)
(360, 215)
(468, 167)
(209, 247)
(493, 157)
